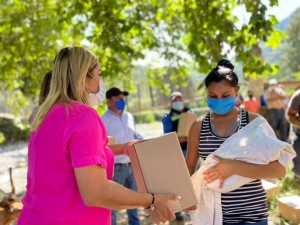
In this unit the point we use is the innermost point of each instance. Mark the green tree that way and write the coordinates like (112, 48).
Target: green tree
(186, 33)
(290, 63)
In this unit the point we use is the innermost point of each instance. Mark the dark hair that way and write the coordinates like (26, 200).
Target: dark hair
(45, 87)
(223, 71)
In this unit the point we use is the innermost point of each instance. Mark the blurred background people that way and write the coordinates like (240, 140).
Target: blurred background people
(251, 104)
(276, 98)
(43, 94)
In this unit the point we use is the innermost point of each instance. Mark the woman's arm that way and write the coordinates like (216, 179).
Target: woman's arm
(269, 171)
(226, 168)
(193, 145)
(121, 149)
(290, 116)
(97, 191)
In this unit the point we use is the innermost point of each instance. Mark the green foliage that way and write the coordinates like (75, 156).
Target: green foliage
(145, 117)
(13, 130)
(2, 138)
(190, 33)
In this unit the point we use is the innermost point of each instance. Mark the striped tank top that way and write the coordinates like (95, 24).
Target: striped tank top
(246, 204)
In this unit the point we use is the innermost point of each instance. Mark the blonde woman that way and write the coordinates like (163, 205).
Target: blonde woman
(70, 166)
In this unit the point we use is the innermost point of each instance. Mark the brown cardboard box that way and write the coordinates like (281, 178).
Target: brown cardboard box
(289, 208)
(184, 124)
(257, 85)
(111, 140)
(159, 167)
(271, 189)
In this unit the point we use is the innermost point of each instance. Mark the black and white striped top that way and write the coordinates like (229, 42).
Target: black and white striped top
(246, 204)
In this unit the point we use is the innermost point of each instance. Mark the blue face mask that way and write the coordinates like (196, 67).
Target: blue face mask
(120, 104)
(221, 106)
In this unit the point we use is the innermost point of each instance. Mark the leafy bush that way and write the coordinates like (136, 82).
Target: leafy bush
(2, 138)
(144, 118)
(13, 130)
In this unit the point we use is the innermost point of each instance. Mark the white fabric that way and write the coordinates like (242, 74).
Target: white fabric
(255, 143)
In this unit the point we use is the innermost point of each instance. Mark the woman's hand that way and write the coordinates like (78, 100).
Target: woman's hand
(222, 170)
(162, 209)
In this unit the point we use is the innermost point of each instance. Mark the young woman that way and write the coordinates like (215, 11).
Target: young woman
(70, 167)
(247, 204)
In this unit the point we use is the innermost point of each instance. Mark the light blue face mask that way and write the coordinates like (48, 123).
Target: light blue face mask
(221, 106)
(178, 106)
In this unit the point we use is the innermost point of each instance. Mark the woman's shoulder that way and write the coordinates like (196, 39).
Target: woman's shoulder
(198, 122)
(81, 117)
(252, 116)
(75, 111)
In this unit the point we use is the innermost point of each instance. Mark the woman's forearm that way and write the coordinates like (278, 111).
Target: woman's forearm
(118, 149)
(254, 171)
(191, 169)
(114, 196)
(97, 191)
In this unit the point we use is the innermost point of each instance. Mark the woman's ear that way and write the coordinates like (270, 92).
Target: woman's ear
(237, 90)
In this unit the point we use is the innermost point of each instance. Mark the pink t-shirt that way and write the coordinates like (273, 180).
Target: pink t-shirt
(65, 140)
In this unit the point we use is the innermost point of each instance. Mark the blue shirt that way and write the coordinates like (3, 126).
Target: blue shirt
(263, 101)
(122, 128)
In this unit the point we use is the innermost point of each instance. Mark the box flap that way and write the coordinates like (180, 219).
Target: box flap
(292, 201)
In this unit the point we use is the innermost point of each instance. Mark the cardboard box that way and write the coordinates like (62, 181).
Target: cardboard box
(159, 167)
(270, 188)
(257, 85)
(185, 122)
(289, 208)
(111, 140)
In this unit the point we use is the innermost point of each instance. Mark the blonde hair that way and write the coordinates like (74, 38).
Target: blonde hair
(71, 66)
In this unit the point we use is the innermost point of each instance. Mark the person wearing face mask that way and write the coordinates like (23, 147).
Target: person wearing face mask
(177, 108)
(251, 104)
(170, 124)
(120, 124)
(246, 204)
(70, 166)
